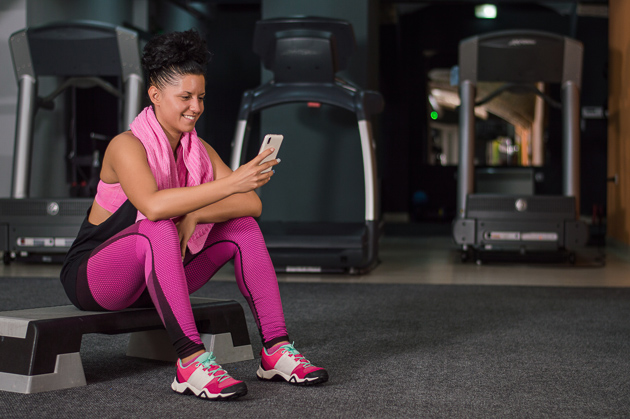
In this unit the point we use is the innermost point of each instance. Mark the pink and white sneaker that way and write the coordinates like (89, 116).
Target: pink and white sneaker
(207, 380)
(286, 363)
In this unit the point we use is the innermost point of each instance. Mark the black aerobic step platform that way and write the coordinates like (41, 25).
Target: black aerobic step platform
(40, 348)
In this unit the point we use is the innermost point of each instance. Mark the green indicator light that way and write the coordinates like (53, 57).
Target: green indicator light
(486, 11)
(434, 115)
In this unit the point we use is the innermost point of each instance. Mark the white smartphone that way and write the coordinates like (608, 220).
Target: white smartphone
(271, 141)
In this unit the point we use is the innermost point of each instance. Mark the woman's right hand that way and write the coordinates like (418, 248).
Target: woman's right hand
(249, 177)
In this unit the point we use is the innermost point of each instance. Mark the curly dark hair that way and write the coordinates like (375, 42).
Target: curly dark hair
(168, 56)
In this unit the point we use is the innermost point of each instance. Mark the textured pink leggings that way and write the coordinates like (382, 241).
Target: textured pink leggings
(146, 257)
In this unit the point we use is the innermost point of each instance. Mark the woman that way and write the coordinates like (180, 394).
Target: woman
(168, 214)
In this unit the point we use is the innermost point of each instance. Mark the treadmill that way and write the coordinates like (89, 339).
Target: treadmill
(80, 53)
(304, 53)
(520, 227)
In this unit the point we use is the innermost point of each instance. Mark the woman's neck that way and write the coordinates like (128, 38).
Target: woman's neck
(173, 138)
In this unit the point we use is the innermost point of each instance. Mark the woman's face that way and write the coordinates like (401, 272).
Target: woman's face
(179, 106)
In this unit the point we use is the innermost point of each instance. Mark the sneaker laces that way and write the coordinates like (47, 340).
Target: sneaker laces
(208, 361)
(298, 356)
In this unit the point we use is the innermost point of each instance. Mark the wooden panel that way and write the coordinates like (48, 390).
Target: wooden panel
(619, 121)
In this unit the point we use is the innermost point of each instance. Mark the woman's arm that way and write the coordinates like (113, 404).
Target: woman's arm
(233, 206)
(125, 161)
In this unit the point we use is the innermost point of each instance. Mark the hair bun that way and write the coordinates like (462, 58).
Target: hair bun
(175, 50)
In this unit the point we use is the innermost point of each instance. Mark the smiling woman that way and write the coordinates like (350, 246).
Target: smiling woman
(168, 214)
(179, 106)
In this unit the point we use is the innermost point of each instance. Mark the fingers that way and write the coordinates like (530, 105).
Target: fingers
(268, 165)
(273, 162)
(182, 243)
(266, 153)
(183, 236)
(255, 174)
(263, 178)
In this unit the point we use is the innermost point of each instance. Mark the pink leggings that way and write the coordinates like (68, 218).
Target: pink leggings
(146, 257)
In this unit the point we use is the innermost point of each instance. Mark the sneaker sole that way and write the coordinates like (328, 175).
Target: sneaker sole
(275, 375)
(186, 389)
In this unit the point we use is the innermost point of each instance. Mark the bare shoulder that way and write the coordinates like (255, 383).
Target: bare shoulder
(123, 150)
(125, 140)
(125, 146)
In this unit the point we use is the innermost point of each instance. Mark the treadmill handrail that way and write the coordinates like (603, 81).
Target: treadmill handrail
(82, 83)
(518, 88)
(364, 103)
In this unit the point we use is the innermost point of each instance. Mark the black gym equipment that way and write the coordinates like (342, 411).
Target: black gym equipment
(521, 227)
(83, 54)
(304, 54)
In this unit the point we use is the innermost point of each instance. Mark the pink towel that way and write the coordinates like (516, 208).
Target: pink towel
(193, 166)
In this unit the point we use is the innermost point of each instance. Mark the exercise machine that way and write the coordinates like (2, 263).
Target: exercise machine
(519, 226)
(304, 55)
(82, 54)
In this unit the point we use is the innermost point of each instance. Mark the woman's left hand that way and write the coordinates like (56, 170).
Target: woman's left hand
(185, 228)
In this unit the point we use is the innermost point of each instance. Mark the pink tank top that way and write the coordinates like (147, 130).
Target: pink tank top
(110, 196)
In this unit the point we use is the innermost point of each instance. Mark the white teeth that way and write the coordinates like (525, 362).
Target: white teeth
(189, 117)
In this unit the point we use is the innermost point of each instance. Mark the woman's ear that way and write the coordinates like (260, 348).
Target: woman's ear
(154, 95)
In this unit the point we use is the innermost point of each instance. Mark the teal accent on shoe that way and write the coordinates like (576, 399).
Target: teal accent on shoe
(208, 360)
(298, 356)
